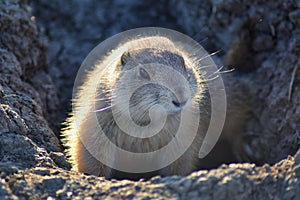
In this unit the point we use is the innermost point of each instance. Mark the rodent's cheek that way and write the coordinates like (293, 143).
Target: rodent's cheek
(166, 100)
(163, 96)
(158, 111)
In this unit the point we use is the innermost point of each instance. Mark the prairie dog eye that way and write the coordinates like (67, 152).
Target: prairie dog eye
(144, 74)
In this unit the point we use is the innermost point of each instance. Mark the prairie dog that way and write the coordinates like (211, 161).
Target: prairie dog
(104, 93)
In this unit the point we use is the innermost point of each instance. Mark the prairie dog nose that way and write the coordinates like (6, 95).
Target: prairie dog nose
(179, 104)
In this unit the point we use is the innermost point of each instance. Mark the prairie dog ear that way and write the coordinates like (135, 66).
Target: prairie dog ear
(124, 58)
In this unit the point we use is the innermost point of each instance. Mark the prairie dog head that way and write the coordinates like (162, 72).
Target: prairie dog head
(155, 77)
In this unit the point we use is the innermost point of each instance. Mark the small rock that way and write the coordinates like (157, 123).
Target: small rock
(60, 159)
(295, 17)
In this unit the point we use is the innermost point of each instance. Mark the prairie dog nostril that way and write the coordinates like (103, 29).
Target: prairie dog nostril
(179, 104)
